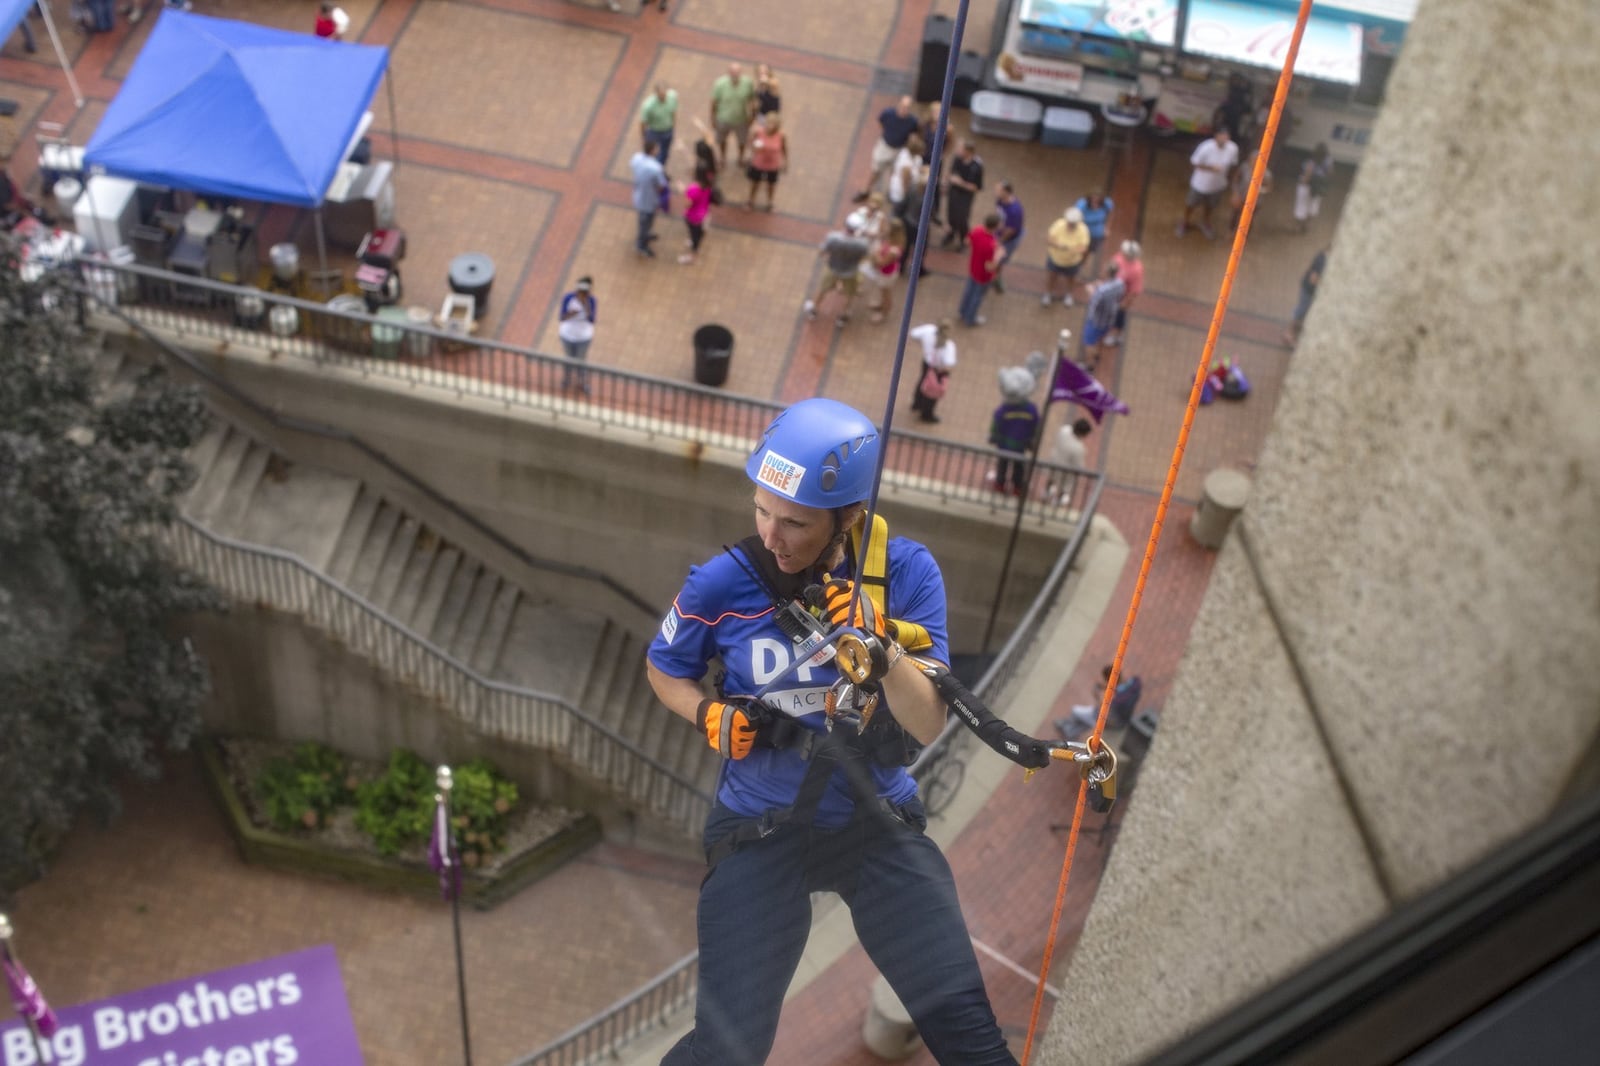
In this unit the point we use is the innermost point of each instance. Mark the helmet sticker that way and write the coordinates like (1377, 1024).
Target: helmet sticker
(780, 474)
(669, 624)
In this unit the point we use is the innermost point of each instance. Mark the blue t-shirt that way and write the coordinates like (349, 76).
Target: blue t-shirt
(1095, 217)
(1011, 218)
(723, 613)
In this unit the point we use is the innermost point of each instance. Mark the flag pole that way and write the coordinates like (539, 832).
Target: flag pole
(452, 862)
(1062, 342)
(10, 963)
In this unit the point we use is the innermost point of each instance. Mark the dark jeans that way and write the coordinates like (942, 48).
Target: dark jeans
(697, 232)
(647, 221)
(573, 373)
(971, 300)
(663, 140)
(960, 213)
(102, 15)
(1014, 469)
(755, 915)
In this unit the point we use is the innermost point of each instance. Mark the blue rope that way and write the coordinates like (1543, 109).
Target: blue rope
(914, 275)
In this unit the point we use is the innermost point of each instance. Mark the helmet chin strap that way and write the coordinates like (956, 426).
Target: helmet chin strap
(834, 549)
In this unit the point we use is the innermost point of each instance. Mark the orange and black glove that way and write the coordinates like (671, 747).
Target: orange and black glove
(836, 608)
(732, 726)
(863, 659)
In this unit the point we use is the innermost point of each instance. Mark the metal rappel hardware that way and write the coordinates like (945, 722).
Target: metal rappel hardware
(1098, 767)
(848, 703)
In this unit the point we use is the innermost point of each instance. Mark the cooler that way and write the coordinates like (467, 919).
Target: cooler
(1015, 118)
(1067, 127)
(107, 212)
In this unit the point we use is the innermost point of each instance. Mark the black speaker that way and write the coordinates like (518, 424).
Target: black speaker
(937, 33)
(969, 78)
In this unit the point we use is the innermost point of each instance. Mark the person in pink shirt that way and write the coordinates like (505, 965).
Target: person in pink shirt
(698, 195)
(1130, 268)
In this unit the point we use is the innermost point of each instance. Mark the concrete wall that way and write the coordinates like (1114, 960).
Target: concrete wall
(274, 676)
(1395, 667)
(617, 500)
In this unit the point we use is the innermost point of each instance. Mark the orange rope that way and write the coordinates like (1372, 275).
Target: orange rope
(1285, 76)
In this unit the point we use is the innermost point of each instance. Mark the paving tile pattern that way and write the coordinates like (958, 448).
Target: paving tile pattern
(514, 120)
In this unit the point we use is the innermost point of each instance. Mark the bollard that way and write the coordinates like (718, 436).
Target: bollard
(888, 1031)
(1221, 501)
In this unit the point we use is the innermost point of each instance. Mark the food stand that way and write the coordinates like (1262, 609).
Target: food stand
(232, 111)
(1174, 57)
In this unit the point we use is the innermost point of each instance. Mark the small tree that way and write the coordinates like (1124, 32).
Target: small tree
(93, 684)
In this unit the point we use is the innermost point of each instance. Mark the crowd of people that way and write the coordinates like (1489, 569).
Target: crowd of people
(745, 115)
(868, 251)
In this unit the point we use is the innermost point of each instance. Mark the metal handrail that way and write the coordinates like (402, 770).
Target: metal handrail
(1009, 658)
(254, 573)
(468, 366)
(607, 1031)
(626, 1019)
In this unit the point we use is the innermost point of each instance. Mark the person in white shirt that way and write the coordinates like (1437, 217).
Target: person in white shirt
(1213, 160)
(1069, 450)
(938, 359)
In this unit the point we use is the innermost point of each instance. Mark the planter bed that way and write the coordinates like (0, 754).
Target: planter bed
(539, 839)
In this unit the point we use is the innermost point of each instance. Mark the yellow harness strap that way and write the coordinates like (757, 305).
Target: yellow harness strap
(875, 582)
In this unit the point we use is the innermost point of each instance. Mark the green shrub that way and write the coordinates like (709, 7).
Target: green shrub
(396, 809)
(480, 805)
(302, 789)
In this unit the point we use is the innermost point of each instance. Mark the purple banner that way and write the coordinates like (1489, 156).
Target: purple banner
(278, 1012)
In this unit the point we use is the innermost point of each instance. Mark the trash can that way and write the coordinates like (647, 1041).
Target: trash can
(713, 351)
(472, 274)
(418, 343)
(249, 310)
(66, 192)
(388, 332)
(284, 321)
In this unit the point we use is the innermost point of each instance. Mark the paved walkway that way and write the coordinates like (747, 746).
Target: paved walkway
(512, 123)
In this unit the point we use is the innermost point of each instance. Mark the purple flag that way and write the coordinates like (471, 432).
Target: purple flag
(1076, 385)
(27, 998)
(441, 856)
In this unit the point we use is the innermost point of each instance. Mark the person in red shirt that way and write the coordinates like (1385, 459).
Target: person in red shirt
(982, 266)
(331, 22)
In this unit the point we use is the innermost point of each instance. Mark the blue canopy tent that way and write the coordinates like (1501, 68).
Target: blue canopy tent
(14, 11)
(234, 109)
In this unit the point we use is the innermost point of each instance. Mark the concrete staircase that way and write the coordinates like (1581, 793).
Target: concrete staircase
(395, 561)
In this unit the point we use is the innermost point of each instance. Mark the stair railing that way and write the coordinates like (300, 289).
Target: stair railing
(295, 424)
(253, 573)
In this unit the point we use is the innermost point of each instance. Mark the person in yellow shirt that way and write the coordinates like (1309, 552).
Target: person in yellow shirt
(1067, 249)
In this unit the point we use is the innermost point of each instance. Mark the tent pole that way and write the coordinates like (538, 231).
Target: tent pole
(322, 254)
(61, 53)
(394, 120)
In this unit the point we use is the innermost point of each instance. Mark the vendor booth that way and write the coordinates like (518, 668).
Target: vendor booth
(230, 111)
(1169, 60)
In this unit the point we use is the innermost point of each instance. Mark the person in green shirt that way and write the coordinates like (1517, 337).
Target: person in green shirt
(733, 100)
(657, 117)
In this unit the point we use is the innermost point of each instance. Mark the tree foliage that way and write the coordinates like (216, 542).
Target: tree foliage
(93, 683)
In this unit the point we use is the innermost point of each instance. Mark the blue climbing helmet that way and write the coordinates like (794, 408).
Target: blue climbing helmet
(818, 453)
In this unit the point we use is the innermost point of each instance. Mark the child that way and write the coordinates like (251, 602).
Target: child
(698, 196)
